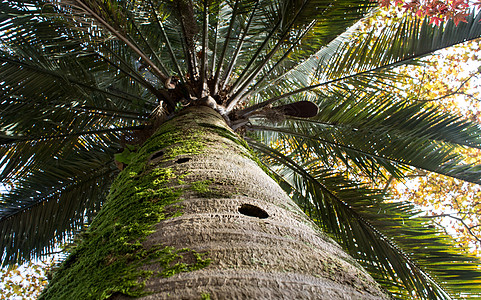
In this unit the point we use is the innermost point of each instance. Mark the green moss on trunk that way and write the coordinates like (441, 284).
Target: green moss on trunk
(108, 257)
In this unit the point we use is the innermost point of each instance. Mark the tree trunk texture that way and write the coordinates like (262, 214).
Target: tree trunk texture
(223, 228)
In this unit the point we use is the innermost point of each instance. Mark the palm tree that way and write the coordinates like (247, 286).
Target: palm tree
(224, 118)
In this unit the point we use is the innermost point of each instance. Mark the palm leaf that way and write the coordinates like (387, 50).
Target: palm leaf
(342, 207)
(372, 55)
(373, 133)
(52, 202)
(302, 21)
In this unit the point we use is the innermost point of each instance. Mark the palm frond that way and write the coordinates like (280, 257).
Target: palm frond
(226, 42)
(298, 20)
(52, 218)
(165, 37)
(389, 244)
(9, 140)
(367, 55)
(373, 133)
(53, 200)
(111, 16)
(239, 45)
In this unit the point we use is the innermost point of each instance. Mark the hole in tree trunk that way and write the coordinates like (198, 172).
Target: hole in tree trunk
(157, 155)
(253, 211)
(182, 160)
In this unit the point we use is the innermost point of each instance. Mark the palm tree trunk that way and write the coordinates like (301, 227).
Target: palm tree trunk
(193, 216)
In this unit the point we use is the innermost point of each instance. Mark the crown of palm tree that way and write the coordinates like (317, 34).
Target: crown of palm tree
(83, 79)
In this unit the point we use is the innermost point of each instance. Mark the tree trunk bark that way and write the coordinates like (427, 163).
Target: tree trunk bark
(193, 216)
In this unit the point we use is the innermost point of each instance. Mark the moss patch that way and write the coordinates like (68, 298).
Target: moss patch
(208, 189)
(109, 257)
(201, 187)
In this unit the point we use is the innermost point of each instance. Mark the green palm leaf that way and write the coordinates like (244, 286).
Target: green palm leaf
(370, 57)
(387, 134)
(395, 244)
(53, 201)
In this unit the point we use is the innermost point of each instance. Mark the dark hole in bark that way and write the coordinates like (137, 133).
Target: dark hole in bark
(182, 160)
(253, 211)
(157, 155)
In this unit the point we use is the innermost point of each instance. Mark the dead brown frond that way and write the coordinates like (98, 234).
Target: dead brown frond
(273, 115)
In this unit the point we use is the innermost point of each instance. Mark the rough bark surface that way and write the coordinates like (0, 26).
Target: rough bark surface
(260, 244)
